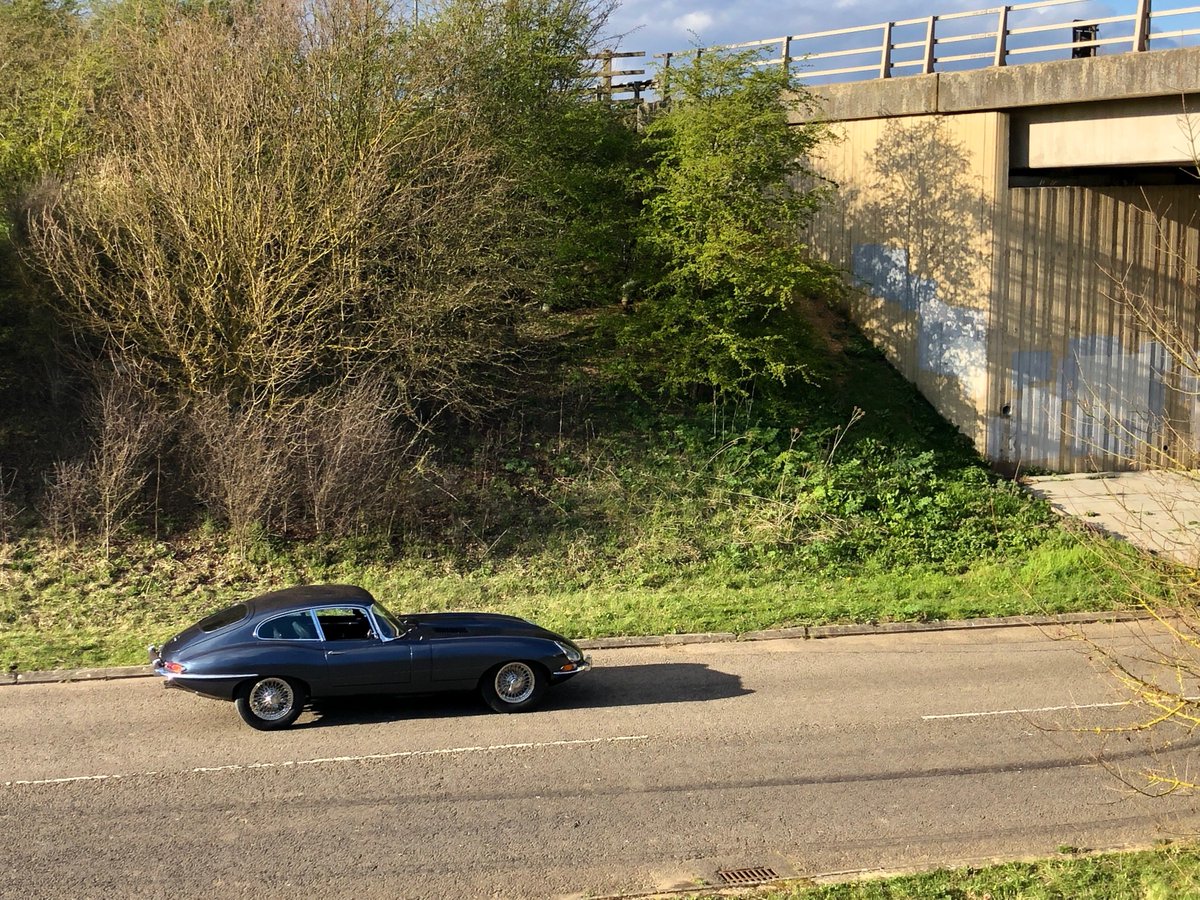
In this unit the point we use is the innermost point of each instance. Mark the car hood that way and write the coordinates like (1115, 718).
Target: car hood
(477, 623)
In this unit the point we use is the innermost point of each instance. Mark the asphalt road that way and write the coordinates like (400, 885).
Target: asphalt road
(654, 770)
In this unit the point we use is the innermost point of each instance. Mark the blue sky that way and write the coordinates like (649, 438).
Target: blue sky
(667, 24)
(659, 25)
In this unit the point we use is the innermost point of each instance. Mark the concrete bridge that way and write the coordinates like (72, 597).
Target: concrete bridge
(1023, 239)
(1025, 245)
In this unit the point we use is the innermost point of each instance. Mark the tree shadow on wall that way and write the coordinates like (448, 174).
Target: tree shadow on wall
(918, 221)
(922, 201)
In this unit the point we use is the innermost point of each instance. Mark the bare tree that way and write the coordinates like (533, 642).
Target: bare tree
(1160, 671)
(287, 201)
(128, 425)
(273, 205)
(241, 463)
(102, 489)
(347, 457)
(66, 503)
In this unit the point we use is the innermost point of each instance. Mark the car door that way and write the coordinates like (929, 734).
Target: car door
(358, 659)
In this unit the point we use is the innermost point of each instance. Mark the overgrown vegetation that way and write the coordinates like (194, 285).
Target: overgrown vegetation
(317, 291)
(250, 212)
(597, 513)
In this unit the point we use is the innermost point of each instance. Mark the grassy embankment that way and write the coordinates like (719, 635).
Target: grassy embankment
(1167, 874)
(598, 513)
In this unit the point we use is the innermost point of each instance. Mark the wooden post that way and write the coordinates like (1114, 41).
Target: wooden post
(885, 55)
(1002, 39)
(787, 54)
(1141, 26)
(606, 73)
(929, 45)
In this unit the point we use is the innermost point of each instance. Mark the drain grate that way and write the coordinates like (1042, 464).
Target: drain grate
(755, 875)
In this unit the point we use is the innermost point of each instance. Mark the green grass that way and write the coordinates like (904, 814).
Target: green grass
(67, 608)
(596, 513)
(1168, 874)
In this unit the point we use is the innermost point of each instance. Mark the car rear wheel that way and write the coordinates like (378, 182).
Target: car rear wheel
(270, 703)
(513, 686)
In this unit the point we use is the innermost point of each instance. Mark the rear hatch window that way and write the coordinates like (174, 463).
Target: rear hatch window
(223, 618)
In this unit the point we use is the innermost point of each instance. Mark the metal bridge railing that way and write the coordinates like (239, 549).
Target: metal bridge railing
(998, 36)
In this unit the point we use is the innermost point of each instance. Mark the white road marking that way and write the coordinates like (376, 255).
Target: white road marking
(403, 754)
(1020, 712)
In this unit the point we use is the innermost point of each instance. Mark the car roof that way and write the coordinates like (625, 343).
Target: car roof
(306, 595)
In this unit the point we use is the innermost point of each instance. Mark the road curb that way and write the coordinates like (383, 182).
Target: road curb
(817, 632)
(798, 632)
(57, 676)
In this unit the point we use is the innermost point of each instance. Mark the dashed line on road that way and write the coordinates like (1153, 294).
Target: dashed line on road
(1021, 712)
(325, 760)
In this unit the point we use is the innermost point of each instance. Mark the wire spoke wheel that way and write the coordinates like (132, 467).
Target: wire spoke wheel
(515, 682)
(272, 699)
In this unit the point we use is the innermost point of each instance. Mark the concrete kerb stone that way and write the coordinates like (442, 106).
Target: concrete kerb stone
(1125, 615)
(706, 637)
(800, 632)
(777, 634)
(620, 643)
(56, 676)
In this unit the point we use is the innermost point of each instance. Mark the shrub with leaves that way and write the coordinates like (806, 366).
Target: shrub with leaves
(719, 236)
(527, 68)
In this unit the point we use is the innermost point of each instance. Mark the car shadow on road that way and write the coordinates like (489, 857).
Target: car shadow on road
(607, 686)
(646, 685)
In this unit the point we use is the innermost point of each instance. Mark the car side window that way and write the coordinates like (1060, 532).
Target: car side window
(386, 631)
(344, 624)
(292, 627)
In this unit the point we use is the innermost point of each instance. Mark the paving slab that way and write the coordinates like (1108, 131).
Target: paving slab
(1157, 511)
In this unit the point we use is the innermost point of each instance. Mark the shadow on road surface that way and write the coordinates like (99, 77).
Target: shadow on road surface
(608, 686)
(646, 685)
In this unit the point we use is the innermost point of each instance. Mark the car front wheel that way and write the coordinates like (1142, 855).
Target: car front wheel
(513, 687)
(270, 703)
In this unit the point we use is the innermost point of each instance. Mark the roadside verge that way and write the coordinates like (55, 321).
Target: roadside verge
(799, 632)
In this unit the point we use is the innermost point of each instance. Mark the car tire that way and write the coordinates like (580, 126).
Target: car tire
(271, 703)
(514, 686)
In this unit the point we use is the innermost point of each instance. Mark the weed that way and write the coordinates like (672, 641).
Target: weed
(604, 514)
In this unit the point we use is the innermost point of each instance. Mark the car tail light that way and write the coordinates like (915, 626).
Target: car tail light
(174, 668)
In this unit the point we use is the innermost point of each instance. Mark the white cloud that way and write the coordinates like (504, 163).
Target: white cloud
(695, 22)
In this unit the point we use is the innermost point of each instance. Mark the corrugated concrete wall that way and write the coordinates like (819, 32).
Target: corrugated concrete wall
(1093, 329)
(1005, 305)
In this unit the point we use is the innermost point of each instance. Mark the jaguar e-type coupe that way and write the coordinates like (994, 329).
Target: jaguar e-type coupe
(273, 653)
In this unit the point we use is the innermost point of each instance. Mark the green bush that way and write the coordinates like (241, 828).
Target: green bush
(719, 254)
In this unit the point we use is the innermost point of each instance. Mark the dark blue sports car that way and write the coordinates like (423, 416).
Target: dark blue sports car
(273, 653)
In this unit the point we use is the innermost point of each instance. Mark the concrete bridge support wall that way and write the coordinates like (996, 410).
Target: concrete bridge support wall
(1078, 382)
(1009, 306)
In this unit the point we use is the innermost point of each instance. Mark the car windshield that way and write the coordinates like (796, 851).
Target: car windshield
(387, 620)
